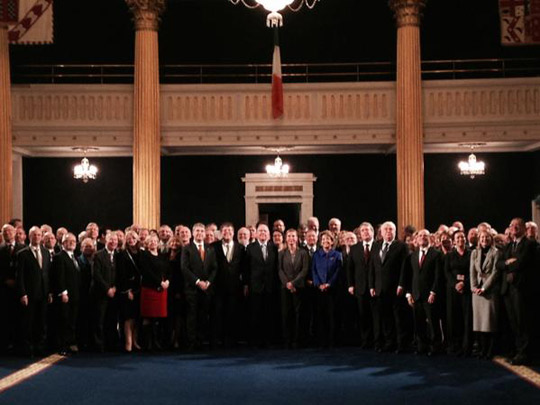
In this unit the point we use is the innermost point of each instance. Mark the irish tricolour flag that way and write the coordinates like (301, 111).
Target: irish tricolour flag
(277, 83)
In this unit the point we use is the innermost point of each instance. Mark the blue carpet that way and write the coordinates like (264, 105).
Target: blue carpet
(339, 376)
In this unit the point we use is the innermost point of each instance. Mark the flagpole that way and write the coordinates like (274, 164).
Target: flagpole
(277, 81)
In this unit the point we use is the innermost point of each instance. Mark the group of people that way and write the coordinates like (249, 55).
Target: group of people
(463, 293)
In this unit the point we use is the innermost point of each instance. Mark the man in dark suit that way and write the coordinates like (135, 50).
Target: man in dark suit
(310, 292)
(424, 268)
(65, 286)
(517, 269)
(103, 293)
(199, 269)
(84, 317)
(357, 276)
(260, 283)
(33, 290)
(229, 257)
(386, 289)
(92, 232)
(9, 305)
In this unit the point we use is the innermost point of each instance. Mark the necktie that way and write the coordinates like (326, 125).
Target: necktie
(514, 246)
(366, 252)
(39, 258)
(311, 251)
(227, 252)
(384, 251)
(201, 252)
(75, 261)
(422, 257)
(111, 257)
(264, 252)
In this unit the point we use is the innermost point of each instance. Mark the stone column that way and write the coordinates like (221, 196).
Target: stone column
(6, 174)
(146, 113)
(409, 120)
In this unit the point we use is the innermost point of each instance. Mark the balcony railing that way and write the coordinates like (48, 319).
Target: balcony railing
(292, 73)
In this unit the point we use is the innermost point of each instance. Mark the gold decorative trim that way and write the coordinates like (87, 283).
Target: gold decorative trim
(29, 371)
(146, 13)
(524, 372)
(407, 12)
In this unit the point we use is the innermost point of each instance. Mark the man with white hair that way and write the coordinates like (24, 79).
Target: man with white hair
(243, 235)
(387, 290)
(313, 223)
(531, 229)
(334, 226)
(33, 291)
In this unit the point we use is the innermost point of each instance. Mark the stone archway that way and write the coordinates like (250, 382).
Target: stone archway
(296, 188)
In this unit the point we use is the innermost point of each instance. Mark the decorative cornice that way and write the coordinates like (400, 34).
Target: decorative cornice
(407, 12)
(146, 13)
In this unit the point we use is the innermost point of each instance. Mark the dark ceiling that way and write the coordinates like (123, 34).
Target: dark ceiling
(216, 31)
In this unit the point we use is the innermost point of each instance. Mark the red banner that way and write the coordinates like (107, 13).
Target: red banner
(520, 22)
(9, 11)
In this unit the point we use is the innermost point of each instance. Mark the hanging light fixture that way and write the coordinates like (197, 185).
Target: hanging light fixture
(472, 167)
(275, 19)
(278, 169)
(84, 171)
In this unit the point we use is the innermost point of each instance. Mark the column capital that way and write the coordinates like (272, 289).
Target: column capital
(407, 12)
(146, 13)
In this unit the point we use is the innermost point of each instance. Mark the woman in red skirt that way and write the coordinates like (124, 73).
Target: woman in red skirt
(154, 285)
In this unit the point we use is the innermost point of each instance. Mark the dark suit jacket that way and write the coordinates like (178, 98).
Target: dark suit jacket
(522, 269)
(358, 269)
(32, 280)
(104, 273)
(260, 275)
(8, 262)
(295, 272)
(425, 279)
(65, 276)
(386, 276)
(456, 269)
(229, 275)
(193, 268)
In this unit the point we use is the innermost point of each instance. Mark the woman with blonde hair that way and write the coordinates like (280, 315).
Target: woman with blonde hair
(485, 290)
(154, 285)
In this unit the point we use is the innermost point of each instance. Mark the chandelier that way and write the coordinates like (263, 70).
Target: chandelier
(278, 169)
(84, 171)
(275, 19)
(472, 167)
